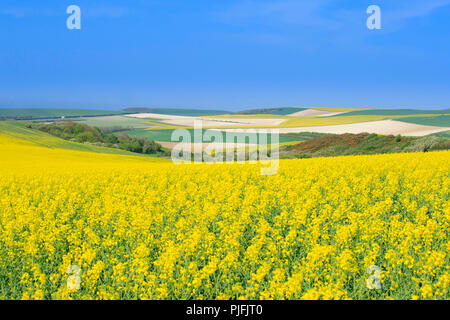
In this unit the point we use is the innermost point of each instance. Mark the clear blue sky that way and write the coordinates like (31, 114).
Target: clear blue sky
(225, 54)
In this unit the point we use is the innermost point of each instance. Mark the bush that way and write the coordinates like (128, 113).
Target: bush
(79, 132)
(78, 129)
(87, 136)
(428, 143)
(369, 148)
(110, 139)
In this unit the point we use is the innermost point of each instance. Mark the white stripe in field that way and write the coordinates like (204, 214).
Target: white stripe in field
(208, 122)
(315, 113)
(379, 127)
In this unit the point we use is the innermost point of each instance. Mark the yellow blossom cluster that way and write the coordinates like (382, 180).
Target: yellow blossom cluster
(140, 229)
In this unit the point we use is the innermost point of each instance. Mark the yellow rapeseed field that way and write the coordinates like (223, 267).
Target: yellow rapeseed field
(123, 227)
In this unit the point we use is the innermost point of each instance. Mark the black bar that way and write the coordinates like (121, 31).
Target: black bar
(223, 309)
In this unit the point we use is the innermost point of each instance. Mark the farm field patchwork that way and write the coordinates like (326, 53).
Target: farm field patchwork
(332, 109)
(287, 120)
(209, 121)
(395, 112)
(379, 127)
(445, 134)
(438, 121)
(272, 111)
(316, 113)
(55, 113)
(139, 227)
(166, 135)
(309, 121)
(177, 111)
(114, 121)
(16, 134)
(293, 128)
(326, 121)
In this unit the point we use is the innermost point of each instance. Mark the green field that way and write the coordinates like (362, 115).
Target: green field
(114, 121)
(42, 113)
(274, 111)
(177, 112)
(18, 130)
(438, 121)
(166, 135)
(393, 112)
(364, 143)
(444, 134)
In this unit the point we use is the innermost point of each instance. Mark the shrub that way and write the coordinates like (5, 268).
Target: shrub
(79, 132)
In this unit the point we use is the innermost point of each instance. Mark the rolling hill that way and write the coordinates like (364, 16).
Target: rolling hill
(177, 112)
(394, 112)
(46, 113)
(18, 133)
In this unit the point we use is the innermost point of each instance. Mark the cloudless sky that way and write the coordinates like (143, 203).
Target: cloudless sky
(225, 54)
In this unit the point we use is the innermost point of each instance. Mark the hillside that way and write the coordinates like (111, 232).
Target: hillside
(437, 121)
(177, 112)
(45, 113)
(395, 112)
(362, 144)
(274, 111)
(17, 133)
(83, 133)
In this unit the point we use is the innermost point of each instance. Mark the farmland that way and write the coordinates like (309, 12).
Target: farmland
(111, 122)
(445, 134)
(407, 122)
(166, 135)
(438, 121)
(177, 111)
(13, 134)
(362, 143)
(272, 111)
(43, 113)
(140, 227)
(224, 159)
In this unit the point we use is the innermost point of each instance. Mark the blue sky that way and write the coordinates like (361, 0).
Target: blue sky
(225, 54)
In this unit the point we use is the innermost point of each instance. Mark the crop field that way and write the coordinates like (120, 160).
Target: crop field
(395, 112)
(166, 135)
(312, 121)
(272, 111)
(290, 122)
(114, 121)
(326, 121)
(438, 121)
(251, 116)
(177, 111)
(16, 133)
(52, 113)
(445, 134)
(142, 228)
(333, 109)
